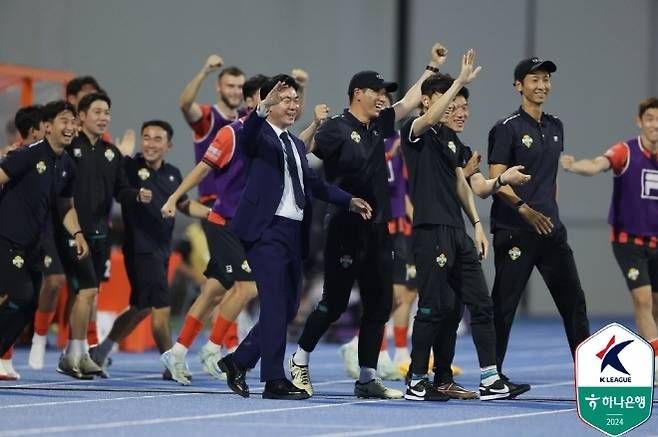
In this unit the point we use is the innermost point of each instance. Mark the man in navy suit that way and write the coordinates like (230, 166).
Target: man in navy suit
(272, 220)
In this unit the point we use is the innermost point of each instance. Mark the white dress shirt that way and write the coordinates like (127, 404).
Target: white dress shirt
(288, 207)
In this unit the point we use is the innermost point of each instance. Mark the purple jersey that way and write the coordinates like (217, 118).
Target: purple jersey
(205, 130)
(634, 206)
(397, 181)
(230, 175)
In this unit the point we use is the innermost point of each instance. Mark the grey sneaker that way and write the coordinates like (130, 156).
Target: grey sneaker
(176, 366)
(375, 388)
(209, 360)
(88, 367)
(300, 376)
(69, 366)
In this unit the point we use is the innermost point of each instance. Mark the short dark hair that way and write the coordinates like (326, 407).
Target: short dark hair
(464, 92)
(436, 83)
(75, 85)
(162, 124)
(253, 84)
(85, 103)
(28, 117)
(648, 103)
(231, 71)
(52, 109)
(271, 83)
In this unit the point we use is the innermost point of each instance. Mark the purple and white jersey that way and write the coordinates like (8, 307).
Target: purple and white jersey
(634, 206)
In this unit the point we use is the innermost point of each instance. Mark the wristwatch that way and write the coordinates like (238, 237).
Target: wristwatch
(519, 204)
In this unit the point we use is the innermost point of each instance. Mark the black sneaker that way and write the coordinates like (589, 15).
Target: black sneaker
(424, 391)
(496, 390)
(515, 389)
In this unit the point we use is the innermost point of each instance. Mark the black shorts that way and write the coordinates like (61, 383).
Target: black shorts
(404, 267)
(52, 261)
(88, 272)
(228, 262)
(21, 273)
(638, 264)
(147, 274)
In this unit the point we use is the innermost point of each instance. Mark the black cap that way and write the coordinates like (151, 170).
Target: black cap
(529, 65)
(372, 80)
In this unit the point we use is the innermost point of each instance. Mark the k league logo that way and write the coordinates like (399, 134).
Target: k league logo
(614, 380)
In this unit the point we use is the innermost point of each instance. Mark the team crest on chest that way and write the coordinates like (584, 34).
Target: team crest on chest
(355, 136)
(172, 178)
(109, 155)
(77, 152)
(514, 253)
(442, 260)
(143, 173)
(41, 167)
(452, 147)
(47, 261)
(245, 266)
(345, 261)
(527, 141)
(18, 261)
(633, 274)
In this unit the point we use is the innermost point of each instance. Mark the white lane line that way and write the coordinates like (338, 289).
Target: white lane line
(157, 421)
(85, 401)
(389, 430)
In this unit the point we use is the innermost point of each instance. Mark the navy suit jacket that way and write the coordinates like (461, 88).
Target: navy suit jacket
(260, 199)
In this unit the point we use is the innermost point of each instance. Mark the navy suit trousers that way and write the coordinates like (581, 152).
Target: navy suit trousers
(276, 261)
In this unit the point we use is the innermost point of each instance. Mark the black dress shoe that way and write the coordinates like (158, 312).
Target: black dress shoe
(283, 389)
(234, 376)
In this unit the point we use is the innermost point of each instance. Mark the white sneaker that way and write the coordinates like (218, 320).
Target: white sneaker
(7, 372)
(37, 352)
(300, 376)
(209, 359)
(176, 366)
(386, 370)
(350, 355)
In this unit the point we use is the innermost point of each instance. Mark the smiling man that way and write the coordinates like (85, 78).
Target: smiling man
(147, 242)
(36, 180)
(525, 220)
(100, 178)
(633, 216)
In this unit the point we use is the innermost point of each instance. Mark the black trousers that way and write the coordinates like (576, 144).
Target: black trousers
(452, 310)
(21, 272)
(449, 272)
(516, 253)
(355, 251)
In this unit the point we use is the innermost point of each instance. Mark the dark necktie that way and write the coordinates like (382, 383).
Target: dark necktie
(292, 169)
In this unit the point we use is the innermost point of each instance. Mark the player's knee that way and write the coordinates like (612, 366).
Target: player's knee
(330, 314)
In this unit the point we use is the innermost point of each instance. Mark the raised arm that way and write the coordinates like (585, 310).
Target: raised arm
(484, 188)
(411, 99)
(585, 167)
(320, 114)
(436, 111)
(301, 77)
(186, 102)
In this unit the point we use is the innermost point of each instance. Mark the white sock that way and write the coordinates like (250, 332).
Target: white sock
(179, 349)
(367, 374)
(213, 347)
(401, 354)
(39, 340)
(489, 375)
(85, 347)
(354, 342)
(75, 349)
(301, 357)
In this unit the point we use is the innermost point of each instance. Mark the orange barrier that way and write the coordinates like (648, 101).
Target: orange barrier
(115, 297)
